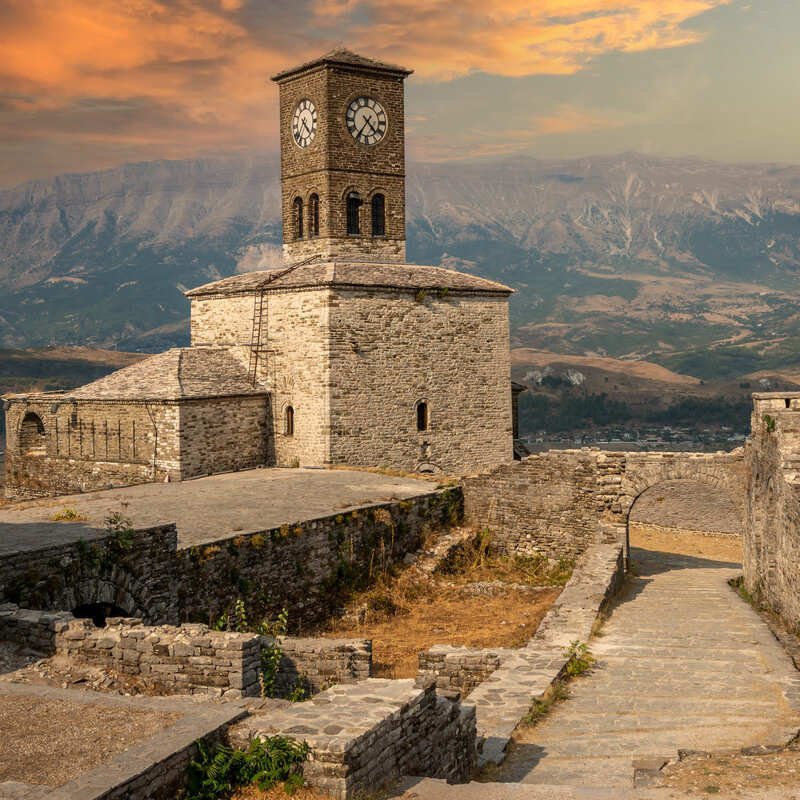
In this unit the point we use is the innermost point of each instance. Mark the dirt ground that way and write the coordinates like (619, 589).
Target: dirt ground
(279, 793)
(500, 618)
(50, 742)
(470, 597)
(718, 546)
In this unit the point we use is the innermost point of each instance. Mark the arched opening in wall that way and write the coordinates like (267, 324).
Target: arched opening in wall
(690, 518)
(98, 612)
(32, 436)
(378, 215)
(313, 215)
(288, 421)
(423, 418)
(354, 204)
(298, 218)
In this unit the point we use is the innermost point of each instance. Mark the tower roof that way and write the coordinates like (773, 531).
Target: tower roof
(343, 58)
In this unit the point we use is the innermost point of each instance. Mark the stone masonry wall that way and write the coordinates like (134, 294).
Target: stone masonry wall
(90, 445)
(460, 669)
(391, 350)
(190, 659)
(366, 736)
(318, 664)
(771, 541)
(224, 434)
(311, 567)
(137, 576)
(551, 502)
(33, 631)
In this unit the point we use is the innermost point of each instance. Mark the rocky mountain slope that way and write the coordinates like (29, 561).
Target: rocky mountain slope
(691, 264)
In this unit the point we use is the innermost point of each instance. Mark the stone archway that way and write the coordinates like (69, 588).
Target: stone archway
(686, 506)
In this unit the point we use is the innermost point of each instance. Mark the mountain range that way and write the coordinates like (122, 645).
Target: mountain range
(690, 264)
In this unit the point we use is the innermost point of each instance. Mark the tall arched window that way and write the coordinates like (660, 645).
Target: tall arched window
(422, 415)
(32, 438)
(378, 215)
(298, 218)
(313, 215)
(288, 421)
(354, 204)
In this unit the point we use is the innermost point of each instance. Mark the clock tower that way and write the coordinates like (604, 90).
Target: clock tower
(343, 160)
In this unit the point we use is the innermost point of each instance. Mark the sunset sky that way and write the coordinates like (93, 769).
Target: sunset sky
(88, 85)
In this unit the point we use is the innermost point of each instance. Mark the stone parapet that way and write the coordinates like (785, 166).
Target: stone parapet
(365, 736)
(317, 664)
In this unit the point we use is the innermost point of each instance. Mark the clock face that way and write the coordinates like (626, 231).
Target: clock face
(304, 123)
(366, 120)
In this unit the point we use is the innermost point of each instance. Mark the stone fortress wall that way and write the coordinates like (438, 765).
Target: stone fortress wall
(771, 542)
(551, 502)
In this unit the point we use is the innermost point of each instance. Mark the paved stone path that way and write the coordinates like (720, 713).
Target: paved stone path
(682, 663)
(206, 509)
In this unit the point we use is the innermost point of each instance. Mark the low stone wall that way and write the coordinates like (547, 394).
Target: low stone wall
(318, 664)
(31, 630)
(135, 574)
(365, 736)
(311, 567)
(190, 659)
(459, 669)
(551, 503)
(308, 568)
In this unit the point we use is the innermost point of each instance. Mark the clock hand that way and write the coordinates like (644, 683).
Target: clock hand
(303, 123)
(366, 121)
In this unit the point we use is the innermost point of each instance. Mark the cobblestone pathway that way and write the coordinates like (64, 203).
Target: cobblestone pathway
(682, 663)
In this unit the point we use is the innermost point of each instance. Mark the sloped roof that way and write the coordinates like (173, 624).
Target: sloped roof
(180, 373)
(411, 277)
(345, 58)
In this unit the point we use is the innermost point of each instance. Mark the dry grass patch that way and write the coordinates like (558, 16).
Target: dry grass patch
(475, 599)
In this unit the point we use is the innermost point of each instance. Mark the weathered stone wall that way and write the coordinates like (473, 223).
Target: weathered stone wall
(190, 659)
(771, 542)
(391, 350)
(224, 434)
(308, 568)
(32, 630)
(551, 502)
(137, 576)
(224, 321)
(295, 369)
(366, 736)
(90, 445)
(318, 664)
(460, 669)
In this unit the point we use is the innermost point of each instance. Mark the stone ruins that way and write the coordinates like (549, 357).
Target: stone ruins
(342, 355)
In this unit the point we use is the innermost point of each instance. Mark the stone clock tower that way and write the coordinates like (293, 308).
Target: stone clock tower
(342, 160)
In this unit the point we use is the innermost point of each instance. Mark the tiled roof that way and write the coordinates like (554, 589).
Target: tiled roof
(411, 277)
(345, 58)
(182, 372)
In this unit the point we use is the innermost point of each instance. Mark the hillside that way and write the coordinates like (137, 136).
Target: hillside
(691, 265)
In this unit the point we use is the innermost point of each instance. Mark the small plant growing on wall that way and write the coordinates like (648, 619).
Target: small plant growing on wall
(770, 423)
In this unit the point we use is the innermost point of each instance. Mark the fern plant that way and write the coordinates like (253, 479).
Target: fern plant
(217, 774)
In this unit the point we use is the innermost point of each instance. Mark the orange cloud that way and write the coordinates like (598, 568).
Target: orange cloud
(180, 77)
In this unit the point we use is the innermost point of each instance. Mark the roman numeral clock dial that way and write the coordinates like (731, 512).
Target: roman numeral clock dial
(366, 120)
(304, 123)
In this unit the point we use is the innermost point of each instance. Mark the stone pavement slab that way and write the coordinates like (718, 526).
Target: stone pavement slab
(683, 662)
(205, 509)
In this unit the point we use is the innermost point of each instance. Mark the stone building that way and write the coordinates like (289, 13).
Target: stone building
(343, 354)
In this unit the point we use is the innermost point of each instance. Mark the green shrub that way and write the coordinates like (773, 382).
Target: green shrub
(217, 774)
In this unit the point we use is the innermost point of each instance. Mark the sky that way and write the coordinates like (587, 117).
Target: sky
(93, 84)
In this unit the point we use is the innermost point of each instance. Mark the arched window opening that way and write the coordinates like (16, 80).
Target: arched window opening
(32, 437)
(298, 218)
(378, 215)
(288, 421)
(98, 612)
(354, 204)
(422, 415)
(313, 215)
